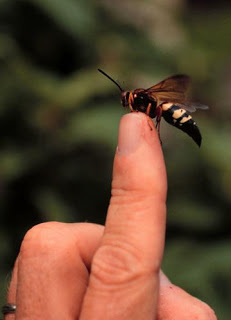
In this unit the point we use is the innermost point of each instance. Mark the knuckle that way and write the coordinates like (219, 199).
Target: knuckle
(41, 239)
(118, 264)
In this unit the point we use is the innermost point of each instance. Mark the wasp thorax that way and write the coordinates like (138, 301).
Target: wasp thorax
(140, 101)
(124, 98)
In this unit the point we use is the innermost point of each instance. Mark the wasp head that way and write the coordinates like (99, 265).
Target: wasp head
(124, 98)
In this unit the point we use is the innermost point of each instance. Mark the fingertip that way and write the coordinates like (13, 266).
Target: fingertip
(139, 161)
(134, 129)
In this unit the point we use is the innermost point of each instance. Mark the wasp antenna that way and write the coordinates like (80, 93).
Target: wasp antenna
(106, 75)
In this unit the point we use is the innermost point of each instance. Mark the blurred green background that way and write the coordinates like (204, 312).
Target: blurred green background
(59, 119)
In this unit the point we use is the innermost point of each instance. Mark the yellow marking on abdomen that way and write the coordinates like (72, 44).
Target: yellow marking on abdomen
(185, 118)
(178, 113)
(166, 106)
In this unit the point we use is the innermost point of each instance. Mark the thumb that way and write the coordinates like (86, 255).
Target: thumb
(124, 277)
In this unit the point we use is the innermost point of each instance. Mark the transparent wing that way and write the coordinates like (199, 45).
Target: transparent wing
(177, 83)
(192, 106)
(174, 90)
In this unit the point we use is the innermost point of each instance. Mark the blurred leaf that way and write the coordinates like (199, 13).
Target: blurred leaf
(217, 153)
(202, 270)
(53, 207)
(76, 17)
(98, 125)
(192, 215)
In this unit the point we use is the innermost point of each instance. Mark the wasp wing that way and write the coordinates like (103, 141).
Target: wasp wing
(191, 106)
(174, 89)
(177, 83)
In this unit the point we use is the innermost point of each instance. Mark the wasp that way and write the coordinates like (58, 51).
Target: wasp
(167, 99)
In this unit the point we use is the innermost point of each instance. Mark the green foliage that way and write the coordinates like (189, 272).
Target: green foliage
(59, 120)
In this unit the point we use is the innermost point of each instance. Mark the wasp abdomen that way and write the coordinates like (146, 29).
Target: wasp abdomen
(179, 118)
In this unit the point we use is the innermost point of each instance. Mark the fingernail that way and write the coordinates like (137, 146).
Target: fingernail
(130, 133)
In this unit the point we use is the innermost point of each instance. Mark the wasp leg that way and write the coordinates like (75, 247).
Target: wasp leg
(130, 102)
(158, 130)
(148, 109)
(148, 114)
(158, 119)
(131, 109)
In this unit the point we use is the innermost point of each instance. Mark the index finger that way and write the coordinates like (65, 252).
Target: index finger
(139, 187)
(128, 260)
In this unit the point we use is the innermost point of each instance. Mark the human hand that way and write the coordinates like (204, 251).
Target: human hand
(85, 271)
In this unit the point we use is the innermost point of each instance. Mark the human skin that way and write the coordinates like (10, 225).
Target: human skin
(87, 271)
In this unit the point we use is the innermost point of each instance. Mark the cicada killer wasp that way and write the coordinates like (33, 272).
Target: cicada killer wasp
(167, 99)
